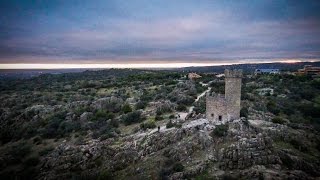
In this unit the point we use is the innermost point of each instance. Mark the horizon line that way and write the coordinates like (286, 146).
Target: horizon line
(133, 66)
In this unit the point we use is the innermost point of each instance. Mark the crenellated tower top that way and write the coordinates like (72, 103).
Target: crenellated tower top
(236, 73)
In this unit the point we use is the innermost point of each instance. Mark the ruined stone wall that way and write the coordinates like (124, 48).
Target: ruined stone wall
(221, 109)
(216, 106)
(233, 93)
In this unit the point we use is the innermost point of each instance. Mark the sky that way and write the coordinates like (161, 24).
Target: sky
(158, 31)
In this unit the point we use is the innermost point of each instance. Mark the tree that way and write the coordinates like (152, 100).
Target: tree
(148, 125)
(158, 117)
(181, 107)
(126, 108)
(132, 117)
(278, 120)
(141, 105)
(220, 130)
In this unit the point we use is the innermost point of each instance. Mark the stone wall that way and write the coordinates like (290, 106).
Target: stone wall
(216, 107)
(221, 109)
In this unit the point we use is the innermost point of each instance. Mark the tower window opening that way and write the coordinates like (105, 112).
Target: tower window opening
(212, 115)
(220, 118)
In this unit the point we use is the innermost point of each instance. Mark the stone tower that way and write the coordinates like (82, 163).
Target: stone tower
(233, 92)
(221, 109)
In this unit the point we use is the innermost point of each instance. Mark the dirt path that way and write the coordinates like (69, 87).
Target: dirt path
(182, 115)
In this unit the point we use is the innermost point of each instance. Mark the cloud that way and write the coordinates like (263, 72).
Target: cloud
(193, 32)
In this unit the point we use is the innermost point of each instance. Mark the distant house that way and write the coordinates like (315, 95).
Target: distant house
(265, 91)
(309, 70)
(193, 76)
(220, 75)
(267, 71)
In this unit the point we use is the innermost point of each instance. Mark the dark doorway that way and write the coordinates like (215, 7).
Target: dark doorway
(220, 118)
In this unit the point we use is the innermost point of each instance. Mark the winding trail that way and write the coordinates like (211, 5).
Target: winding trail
(182, 115)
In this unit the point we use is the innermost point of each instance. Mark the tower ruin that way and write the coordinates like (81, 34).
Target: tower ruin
(221, 109)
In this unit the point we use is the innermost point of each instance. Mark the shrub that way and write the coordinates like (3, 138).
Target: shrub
(272, 107)
(159, 112)
(158, 118)
(132, 117)
(102, 115)
(220, 130)
(126, 108)
(278, 120)
(148, 125)
(299, 145)
(178, 167)
(181, 107)
(105, 174)
(141, 105)
(114, 123)
(171, 124)
(171, 116)
(54, 121)
(37, 140)
(51, 129)
(186, 100)
(18, 152)
(67, 127)
(31, 161)
(46, 150)
(163, 109)
(79, 110)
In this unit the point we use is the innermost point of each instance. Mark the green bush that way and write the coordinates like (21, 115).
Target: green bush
(46, 150)
(299, 145)
(18, 152)
(105, 174)
(141, 105)
(158, 118)
(132, 117)
(126, 108)
(171, 124)
(220, 130)
(67, 127)
(114, 123)
(181, 107)
(272, 107)
(178, 167)
(148, 125)
(102, 115)
(278, 120)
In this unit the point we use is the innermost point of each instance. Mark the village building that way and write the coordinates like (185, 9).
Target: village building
(309, 70)
(193, 76)
(267, 71)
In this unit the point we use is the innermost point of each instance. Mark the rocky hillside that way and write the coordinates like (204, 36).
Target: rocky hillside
(151, 125)
(245, 150)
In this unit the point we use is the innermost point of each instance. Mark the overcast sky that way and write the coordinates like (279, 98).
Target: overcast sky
(120, 31)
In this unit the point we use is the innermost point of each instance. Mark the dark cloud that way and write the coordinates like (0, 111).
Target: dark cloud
(149, 30)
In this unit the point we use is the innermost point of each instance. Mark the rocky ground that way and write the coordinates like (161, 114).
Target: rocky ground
(248, 151)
